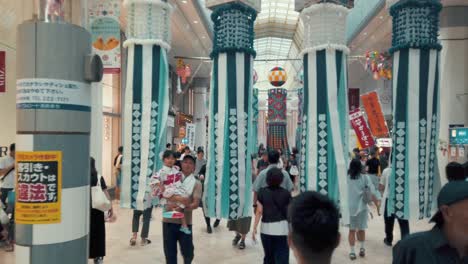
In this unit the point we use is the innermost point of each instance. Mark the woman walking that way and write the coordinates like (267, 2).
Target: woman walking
(360, 188)
(97, 229)
(272, 207)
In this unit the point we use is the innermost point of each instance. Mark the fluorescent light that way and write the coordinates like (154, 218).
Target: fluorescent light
(184, 1)
(195, 21)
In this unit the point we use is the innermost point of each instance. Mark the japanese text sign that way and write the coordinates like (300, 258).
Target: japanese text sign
(2, 72)
(38, 187)
(374, 114)
(191, 135)
(362, 130)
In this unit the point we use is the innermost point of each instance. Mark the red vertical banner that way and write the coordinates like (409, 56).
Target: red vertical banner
(375, 115)
(360, 127)
(353, 98)
(2, 71)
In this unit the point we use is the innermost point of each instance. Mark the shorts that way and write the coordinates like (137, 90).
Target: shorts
(359, 222)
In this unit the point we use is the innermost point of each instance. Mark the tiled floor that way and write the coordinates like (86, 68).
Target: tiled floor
(216, 247)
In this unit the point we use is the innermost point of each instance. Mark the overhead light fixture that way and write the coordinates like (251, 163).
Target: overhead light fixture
(203, 37)
(381, 17)
(365, 33)
(195, 21)
(184, 1)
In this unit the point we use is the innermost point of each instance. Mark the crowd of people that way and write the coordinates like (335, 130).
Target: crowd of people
(305, 224)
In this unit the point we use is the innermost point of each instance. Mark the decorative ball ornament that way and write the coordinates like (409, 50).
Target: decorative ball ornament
(255, 76)
(277, 76)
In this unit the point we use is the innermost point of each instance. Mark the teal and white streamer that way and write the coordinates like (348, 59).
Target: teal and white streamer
(146, 98)
(228, 190)
(324, 129)
(415, 179)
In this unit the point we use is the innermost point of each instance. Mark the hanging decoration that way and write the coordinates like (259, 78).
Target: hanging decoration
(183, 71)
(277, 76)
(146, 97)
(325, 121)
(415, 47)
(228, 183)
(277, 136)
(254, 119)
(300, 97)
(255, 77)
(379, 64)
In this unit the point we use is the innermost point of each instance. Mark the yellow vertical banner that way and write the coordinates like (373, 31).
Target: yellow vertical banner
(38, 187)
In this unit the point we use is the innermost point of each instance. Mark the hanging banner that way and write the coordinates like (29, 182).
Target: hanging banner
(191, 136)
(362, 130)
(38, 187)
(353, 98)
(105, 32)
(2, 72)
(374, 114)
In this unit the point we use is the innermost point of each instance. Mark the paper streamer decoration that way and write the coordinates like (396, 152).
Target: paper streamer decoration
(325, 125)
(146, 97)
(375, 115)
(254, 120)
(361, 129)
(277, 136)
(415, 179)
(228, 190)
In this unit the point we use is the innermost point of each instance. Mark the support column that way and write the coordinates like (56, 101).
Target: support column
(228, 192)
(415, 47)
(54, 114)
(454, 64)
(199, 116)
(146, 96)
(324, 138)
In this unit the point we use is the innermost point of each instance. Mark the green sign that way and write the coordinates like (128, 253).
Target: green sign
(459, 136)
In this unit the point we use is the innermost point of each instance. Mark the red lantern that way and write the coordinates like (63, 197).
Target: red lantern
(183, 71)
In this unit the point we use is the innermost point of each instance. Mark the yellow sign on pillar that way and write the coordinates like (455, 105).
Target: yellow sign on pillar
(38, 187)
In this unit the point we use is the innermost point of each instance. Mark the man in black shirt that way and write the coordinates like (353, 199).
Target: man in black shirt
(447, 242)
(262, 163)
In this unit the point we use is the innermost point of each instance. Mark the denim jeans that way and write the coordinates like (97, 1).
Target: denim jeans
(172, 235)
(146, 221)
(389, 223)
(276, 249)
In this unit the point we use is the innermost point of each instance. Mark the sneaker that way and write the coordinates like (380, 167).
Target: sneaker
(216, 223)
(99, 260)
(236, 240)
(242, 245)
(145, 242)
(185, 230)
(352, 256)
(362, 252)
(132, 242)
(209, 230)
(386, 242)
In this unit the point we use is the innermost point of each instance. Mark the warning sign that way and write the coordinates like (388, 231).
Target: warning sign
(38, 187)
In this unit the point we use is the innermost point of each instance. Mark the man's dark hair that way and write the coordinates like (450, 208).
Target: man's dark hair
(168, 154)
(186, 148)
(168, 145)
(455, 172)
(120, 149)
(273, 156)
(190, 157)
(12, 147)
(314, 222)
(274, 177)
(200, 151)
(383, 164)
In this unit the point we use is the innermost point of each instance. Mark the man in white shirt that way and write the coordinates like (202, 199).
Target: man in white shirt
(7, 174)
(384, 188)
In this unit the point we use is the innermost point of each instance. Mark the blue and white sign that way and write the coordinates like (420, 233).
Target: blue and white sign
(459, 136)
(53, 94)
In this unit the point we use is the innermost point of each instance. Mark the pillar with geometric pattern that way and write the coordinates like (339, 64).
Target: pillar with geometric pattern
(228, 192)
(146, 96)
(324, 139)
(415, 181)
